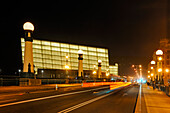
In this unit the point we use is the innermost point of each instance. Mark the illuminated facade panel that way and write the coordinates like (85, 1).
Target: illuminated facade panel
(52, 55)
(114, 69)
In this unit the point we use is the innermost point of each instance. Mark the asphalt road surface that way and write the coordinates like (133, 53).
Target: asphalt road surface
(96, 100)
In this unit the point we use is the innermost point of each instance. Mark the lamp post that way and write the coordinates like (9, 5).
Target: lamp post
(67, 66)
(138, 67)
(99, 68)
(107, 74)
(159, 54)
(42, 71)
(80, 65)
(94, 71)
(166, 77)
(28, 55)
(153, 70)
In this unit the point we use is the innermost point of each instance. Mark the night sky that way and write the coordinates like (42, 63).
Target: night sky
(131, 29)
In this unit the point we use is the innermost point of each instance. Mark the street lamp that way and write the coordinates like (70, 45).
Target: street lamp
(94, 72)
(152, 74)
(167, 70)
(153, 62)
(80, 65)
(159, 54)
(28, 55)
(99, 68)
(67, 66)
(138, 67)
(28, 26)
(160, 70)
(42, 71)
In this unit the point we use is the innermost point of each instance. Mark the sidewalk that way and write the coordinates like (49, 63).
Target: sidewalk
(24, 89)
(155, 101)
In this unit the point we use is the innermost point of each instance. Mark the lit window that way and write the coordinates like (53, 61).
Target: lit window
(23, 49)
(47, 56)
(37, 59)
(64, 50)
(100, 50)
(38, 64)
(74, 59)
(46, 47)
(64, 45)
(83, 48)
(36, 46)
(55, 44)
(74, 51)
(56, 57)
(74, 55)
(101, 54)
(36, 42)
(57, 62)
(91, 49)
(56, 66)
(74, 64)
(22, 40)
(36, 50)
(92, 53)
(46, 52)
(55, 49)
(55, 53)
(45, 43)
(23, 44)
(37, 55)
(74, 46)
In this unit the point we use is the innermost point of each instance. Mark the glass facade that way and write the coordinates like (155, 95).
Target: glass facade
(52, 55)
(114, 69)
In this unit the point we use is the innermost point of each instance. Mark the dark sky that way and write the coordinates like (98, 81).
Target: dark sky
(131, 29)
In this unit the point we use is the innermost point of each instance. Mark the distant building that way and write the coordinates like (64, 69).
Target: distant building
(50, 59)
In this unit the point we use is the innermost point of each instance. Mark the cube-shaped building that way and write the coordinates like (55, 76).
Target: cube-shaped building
(50, 56)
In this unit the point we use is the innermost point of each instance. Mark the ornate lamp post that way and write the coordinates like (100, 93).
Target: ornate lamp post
(80, 65)
(99, 68)
(67, 66)
(153, 70)
(159, 54)
(28, 55)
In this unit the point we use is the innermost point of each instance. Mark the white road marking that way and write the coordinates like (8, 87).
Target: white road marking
(83, 104)
(124, 94)
(43, 98)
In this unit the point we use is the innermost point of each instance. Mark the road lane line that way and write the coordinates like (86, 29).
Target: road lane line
(87, 102)
(43, 98)
(84, 103)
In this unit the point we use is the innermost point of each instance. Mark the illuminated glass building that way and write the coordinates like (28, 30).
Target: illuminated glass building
(113, 69)
(51, 56)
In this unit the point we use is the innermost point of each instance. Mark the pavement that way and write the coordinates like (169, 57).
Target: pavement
(5, 90)
(152, 101)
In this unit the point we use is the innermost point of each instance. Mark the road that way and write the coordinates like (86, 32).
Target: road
(96, 100)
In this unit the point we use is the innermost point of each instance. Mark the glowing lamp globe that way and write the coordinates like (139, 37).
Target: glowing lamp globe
(159, 52)
(99, 61)
(153, 62)
(80, 52)
(28, 26)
